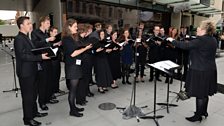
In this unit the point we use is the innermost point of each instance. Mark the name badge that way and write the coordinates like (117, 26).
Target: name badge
(78, 62)
(137, 54)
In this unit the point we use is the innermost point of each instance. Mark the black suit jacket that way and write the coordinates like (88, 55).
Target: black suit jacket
(202, 51)
(26, 61)
(39, 38)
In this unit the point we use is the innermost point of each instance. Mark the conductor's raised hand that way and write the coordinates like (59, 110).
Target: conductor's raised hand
(45, 57)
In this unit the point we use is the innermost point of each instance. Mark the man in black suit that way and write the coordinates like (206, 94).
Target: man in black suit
(26, 69)
(154, 53)
(40, 38)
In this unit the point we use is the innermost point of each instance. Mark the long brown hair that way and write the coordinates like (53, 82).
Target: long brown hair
(66, 31)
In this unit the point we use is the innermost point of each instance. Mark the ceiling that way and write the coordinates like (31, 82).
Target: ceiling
(21, 5)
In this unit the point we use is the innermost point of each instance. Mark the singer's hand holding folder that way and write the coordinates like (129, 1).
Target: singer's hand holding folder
(50, 51)
(57, 38)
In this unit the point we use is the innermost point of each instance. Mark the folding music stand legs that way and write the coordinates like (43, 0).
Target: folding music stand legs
(132, 110)
(154, 117)
(167, 104)
(16, 89)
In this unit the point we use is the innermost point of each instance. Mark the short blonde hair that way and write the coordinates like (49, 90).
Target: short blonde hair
(208, 26)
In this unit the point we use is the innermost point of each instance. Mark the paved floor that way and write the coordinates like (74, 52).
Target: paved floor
(11, 112)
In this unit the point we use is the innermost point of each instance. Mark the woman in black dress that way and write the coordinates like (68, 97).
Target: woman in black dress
(126, 56)
(103, 73)
(201, 80)
(73, 61)
(114, 61)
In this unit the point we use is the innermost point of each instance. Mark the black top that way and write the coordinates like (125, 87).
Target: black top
(70, 45)
(154, 51)
(202, 52)
(26, 61)
(39, 38)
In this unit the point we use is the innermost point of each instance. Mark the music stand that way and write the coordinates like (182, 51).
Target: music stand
(16, 89)
(154, 117)
(132, 110)
(168, 67)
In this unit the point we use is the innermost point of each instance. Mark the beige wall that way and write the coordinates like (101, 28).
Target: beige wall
(198, 19)
(217, 5)
(45, 7)
(186, 21)
(176, 20)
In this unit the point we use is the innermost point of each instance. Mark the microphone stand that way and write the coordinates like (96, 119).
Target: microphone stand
(16, 89)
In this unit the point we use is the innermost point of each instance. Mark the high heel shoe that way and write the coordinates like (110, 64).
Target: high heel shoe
(194, 118)
(101, 91)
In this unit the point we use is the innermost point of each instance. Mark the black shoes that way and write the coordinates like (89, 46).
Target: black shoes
(105, 89)
(43, 107)
(53, 101)
(158, 79)
(128, 82)
(53, 96)
(205, 115)
(82, 103)
(32, 123)
(75, 113)
(90, 94)
(167, 80)
(41, 114)
(151, 79)
(101, 91)
(60, 91)
(194, 118)
(79, 109)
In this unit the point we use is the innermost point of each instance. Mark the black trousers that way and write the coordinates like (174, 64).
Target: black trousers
(125, 72)
(141, 66)
(28, 88)
(152, 70)
(56, 73)
(82, 89)
(45, 83)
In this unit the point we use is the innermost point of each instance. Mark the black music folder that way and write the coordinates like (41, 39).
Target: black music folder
(57, 38)
(51, 52)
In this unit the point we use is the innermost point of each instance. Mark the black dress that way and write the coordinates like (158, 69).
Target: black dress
(73, 69)
(103, 73)
(201, 78)
(114, 58)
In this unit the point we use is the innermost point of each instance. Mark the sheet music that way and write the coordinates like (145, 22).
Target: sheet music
(107, 45)
(121, 44)
(55, 50)
(164, 65)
